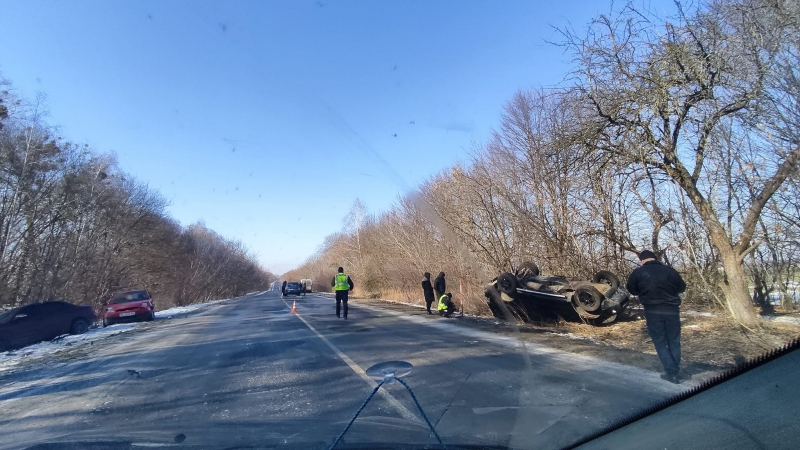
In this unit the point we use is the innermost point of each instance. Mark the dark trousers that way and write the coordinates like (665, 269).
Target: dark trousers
(341, 297)
(429, 300)
(448, 312)
(664, 327)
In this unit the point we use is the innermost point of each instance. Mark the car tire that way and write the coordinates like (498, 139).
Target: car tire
(152, 316)
(507, 283)
(587, 298)
(79, 326)
(527, 269)
(608, 278)
(105, 323)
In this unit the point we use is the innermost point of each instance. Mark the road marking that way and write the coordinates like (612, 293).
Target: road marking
(408, 415)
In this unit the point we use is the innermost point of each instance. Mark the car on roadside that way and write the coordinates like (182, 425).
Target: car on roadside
(37, 322)
(529, 295)
(129, 306)
(293, 288)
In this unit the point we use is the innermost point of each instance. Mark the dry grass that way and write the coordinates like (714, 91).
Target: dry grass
(717, 341)
(708, 343)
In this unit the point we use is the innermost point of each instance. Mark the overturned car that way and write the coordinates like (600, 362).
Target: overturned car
(529, 295)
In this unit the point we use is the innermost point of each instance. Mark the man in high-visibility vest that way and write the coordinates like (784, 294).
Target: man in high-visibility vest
(446, 306)
(342, 284)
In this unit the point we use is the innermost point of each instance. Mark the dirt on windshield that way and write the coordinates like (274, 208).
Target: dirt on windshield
(710, 342)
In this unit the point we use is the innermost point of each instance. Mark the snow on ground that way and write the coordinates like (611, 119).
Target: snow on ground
(700, 313)
(168, 313)
(794, 320)
(10, 359)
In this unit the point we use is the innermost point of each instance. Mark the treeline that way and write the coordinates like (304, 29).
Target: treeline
(680, 135)
(73, 226)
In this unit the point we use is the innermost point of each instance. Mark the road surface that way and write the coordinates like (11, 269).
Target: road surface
(249, 373)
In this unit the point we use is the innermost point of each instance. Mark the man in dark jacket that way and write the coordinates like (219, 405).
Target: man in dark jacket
(439, 285)
(283, 289)
(427, 289)
(341, 284)
(657, 287)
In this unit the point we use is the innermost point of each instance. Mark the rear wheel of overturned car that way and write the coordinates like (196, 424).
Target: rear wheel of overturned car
(527, 269)
(79, 326)
(609, 279)
(587, 298)
(507, 283)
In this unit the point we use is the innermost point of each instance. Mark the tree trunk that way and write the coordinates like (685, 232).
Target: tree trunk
(734, 287)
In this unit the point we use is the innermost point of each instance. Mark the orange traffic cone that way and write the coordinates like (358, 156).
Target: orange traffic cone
(294, 306)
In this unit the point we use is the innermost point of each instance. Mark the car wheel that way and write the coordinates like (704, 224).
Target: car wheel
(587, 298)
(507, 283)
(609, 279)
(152, 316)
(527, 269)
(105, 323)
(79, 326)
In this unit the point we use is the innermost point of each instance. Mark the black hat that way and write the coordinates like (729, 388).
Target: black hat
(341, 270)
(646, 254)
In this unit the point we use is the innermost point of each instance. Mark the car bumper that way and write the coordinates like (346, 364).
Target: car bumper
(128, 316)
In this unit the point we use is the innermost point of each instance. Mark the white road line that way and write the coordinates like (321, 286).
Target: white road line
(408, 415)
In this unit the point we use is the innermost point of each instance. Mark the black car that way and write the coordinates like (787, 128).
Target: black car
(293, 288)
(38, 322)
(529, 295)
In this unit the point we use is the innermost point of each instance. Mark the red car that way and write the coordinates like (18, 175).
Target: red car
(129, 306)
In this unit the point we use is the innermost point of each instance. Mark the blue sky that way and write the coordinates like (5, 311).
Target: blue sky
(267, 119)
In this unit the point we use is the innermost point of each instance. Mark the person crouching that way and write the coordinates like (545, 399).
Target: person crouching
(446, 306)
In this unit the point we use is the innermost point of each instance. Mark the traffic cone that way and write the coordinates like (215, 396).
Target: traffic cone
(294, 306)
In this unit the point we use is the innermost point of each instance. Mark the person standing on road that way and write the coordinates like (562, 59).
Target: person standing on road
(283, 289)
(342, 284)
(439, 285)
(446, 306)
(657, 287)
(427, 290)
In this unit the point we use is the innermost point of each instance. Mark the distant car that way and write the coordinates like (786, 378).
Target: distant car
(306, 283)
(527, 294)
(293, 288)
(129, 306)
(39, 322)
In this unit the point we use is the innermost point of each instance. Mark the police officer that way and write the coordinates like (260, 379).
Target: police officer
(342, 284)
(446, 306)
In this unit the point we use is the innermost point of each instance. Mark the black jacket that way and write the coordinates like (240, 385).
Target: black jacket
(439, 285)
(427, 289)
(656, 284)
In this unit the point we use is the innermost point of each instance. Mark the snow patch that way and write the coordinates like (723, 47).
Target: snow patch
(11, 359)
(700, 313)
(169, 313)
(794, 320)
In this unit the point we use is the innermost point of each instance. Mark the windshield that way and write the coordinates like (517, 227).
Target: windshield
(127, 297)
(544, 217)
(6, 316)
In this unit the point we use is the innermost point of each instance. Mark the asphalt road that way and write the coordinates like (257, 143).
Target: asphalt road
(247, 373)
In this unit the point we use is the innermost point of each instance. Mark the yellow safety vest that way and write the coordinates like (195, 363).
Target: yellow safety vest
(442, 305)
(341, 283)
